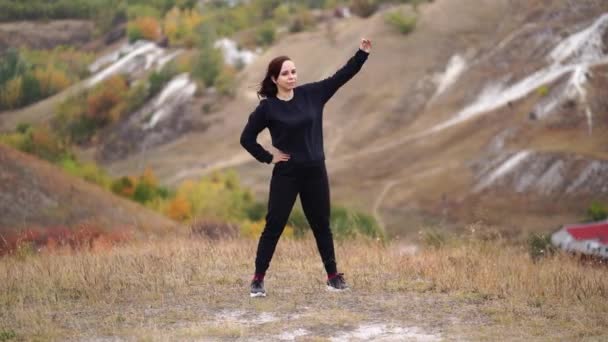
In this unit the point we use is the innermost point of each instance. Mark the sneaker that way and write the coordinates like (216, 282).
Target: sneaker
(337, 283)
(257, 288)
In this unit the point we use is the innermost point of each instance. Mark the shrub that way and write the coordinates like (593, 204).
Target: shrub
(137, 96)
(11, 95)
(6, 335)
(403, 23)
(43, 143)
(180, 26)
(68, 60)
(302, 20)
(12, 139)
(597, 212)
(256, 211)
(123, 186)
(344, 223)
(179, 209)
(266, 33)
(281, 13)
(143, 189)
(542, 90)
(158, 79)
(183, 63)
(218, 196)
(51, 80)
(144, 192)
(226, 82)
(30, 89)
(539, 245)
(147, 187)
(23, 127)
(143, 28)
(347, 223)
(30, 75)
(90, 172)
(106, 103)
(209, 61)
(134, 33)
(11, 65)
(364, 8)
(81, 129)
(67, 112)
(39, 141)
(141, 10)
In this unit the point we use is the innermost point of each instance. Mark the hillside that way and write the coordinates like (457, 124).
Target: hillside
(36, 194)
(412, 129)
(463, 120)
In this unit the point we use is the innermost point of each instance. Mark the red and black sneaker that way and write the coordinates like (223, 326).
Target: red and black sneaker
(337, 283)
(257, 288)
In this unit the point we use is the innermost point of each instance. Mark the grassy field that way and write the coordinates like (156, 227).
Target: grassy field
(473, 288)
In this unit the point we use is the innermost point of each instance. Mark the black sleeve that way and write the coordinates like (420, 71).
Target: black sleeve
(255, 124)
(326, 88)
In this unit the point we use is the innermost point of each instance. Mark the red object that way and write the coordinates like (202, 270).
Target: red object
(591, 231)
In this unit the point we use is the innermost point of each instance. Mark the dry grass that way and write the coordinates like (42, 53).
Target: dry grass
(193, 289)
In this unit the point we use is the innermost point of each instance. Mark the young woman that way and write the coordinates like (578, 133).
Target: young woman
(294, 115)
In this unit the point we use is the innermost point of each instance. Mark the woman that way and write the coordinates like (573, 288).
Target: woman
(294, 117)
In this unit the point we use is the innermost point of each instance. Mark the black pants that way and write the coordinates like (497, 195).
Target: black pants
(288, 180)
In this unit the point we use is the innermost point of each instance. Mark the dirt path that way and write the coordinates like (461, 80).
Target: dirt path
(376, 209)
(233, 161)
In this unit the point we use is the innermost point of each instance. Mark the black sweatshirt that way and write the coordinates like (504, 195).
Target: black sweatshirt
(296, 126)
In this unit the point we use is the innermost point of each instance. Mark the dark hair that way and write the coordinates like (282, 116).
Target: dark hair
(267, 87)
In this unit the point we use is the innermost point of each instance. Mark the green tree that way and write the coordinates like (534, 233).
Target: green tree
(11, 65)
(266, 33)
(209, 61)
(144, 192)
(30, 89)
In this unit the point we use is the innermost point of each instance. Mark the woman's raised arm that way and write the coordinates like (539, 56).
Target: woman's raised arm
(326, 88)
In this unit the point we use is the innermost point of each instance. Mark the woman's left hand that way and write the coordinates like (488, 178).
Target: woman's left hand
(366, 45)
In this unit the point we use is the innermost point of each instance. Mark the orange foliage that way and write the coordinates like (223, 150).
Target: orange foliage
(171, 24)
(179, 209)
(180, 26)
(45, 143)
(148, 27)
(149, 178)
(107, 102)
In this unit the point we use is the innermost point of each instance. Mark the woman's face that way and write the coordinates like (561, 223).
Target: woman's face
(287, 77)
